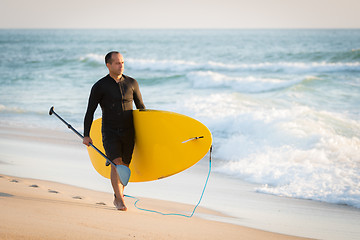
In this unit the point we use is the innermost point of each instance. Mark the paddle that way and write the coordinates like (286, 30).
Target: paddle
(123, 171)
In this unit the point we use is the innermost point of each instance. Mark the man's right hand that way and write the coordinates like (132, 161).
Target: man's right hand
(87, 141)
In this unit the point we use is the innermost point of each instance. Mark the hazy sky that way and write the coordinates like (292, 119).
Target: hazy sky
(180, 14)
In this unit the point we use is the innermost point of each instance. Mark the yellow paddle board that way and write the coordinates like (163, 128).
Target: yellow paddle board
(166, 143)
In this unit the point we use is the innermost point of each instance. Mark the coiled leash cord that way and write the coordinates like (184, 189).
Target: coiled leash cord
(176, 214)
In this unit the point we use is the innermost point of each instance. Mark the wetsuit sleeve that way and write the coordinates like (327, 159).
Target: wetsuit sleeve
(94, 100)
(137, 96)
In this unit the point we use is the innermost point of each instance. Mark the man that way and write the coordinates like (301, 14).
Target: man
(115, 93)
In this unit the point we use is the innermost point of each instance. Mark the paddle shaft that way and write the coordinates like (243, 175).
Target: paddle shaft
(79, 134)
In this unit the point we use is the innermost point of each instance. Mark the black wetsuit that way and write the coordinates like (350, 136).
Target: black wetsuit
(116, 101)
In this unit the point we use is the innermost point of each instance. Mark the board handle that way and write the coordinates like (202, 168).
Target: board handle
(194, 138)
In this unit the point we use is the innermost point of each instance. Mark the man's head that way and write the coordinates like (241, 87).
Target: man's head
(115, 63)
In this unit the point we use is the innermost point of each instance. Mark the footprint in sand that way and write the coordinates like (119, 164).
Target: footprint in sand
(77, 197)
(52, 191)
(34, 186)
(100, 203)
(14, 180)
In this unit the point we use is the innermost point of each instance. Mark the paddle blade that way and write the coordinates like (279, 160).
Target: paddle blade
(124, 174)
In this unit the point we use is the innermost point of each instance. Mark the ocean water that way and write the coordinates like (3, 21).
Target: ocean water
(282, 105)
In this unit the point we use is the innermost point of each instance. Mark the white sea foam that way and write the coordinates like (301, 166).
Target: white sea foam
(290, 67)
(7, 109)
(93, 58)
(249, 84)
(294, 152)
(161, 65)
(184, 65)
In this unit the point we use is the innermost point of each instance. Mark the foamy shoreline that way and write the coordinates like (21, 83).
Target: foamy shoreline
(60, 157)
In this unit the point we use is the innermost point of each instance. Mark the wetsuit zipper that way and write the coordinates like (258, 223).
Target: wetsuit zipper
(122, 96)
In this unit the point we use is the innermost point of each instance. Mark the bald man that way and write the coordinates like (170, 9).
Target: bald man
(115, 93)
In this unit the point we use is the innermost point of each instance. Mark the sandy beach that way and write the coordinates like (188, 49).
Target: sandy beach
(36, 209)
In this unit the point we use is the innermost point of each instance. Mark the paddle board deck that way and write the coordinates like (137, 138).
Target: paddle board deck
(166, 143)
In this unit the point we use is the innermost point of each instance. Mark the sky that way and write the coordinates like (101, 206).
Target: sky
(175, 14)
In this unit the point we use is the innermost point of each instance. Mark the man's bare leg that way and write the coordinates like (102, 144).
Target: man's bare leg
(117, 186)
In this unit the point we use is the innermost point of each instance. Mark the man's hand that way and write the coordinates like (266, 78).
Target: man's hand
(87, 141)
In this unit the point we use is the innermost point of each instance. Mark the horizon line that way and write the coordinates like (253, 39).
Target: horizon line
(177, 28)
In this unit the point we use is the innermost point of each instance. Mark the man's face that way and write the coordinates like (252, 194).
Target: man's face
(117, 64)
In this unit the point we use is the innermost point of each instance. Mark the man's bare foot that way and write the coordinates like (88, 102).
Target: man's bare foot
(119, 204)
